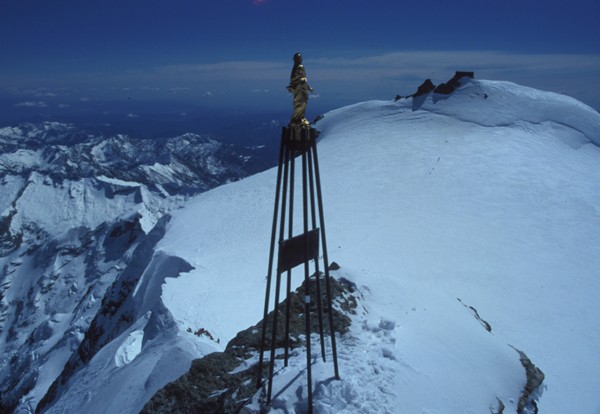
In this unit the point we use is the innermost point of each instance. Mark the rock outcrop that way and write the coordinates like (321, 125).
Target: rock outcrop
(223, 382)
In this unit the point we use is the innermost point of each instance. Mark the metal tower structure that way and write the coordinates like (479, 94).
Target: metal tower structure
(293, 251)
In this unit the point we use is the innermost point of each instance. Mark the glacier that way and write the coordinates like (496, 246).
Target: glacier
(486, 199)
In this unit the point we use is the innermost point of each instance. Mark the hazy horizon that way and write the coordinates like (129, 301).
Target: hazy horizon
(118, 60)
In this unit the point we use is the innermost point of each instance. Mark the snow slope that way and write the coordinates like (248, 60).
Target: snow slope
(490, 195)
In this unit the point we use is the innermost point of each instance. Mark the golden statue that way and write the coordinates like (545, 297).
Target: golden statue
(300, 88)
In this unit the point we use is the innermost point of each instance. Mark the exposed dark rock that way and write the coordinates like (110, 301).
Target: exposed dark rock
(428, 86)
(334, 266)
(223, 382)
(464, 74)
(206, 388)
(499, 409)
(122, 235)
(444, 88)
(450, 86)
(535, 378)
(483, 322)
(424, 88)
(8, 241)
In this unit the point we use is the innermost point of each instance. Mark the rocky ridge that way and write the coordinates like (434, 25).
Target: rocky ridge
(224, 382)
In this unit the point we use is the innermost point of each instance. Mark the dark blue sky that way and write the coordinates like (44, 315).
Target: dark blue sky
(236, 54)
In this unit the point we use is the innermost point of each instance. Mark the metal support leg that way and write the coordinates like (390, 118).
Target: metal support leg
(317, 271)
(271, 255)
(278, 281)
(306, 281)
(325, 259)
(289, 272)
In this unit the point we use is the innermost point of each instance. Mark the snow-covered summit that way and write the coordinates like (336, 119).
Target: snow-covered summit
(451, 213)
(500, 103)
(489, 195)
(509, 104)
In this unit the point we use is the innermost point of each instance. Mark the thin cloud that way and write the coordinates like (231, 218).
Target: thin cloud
(179, 89)
(347, 80)
(400, 72)
(344, 80)
(419, 64)
(32, 104)
(39, 92)
(239, 70)
(45, 94)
